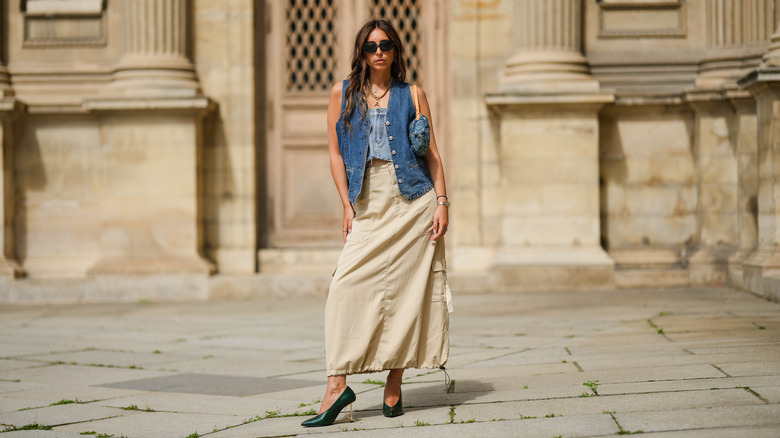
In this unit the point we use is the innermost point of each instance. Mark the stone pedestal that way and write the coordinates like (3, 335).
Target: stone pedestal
(550, 232)
(150, 215)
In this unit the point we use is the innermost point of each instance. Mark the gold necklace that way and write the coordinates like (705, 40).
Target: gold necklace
(378, 98)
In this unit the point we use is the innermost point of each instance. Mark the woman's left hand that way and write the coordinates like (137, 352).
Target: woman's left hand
(440, 222)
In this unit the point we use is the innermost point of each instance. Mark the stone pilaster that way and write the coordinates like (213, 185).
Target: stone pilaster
(8, 266)
(762, 268)
(8, 109)
(155, 61)
(549, 48)
(747, 185)
(737, 35)
(5, 78)
(714, 154)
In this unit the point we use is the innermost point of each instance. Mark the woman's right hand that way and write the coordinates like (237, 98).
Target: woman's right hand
(346, 222)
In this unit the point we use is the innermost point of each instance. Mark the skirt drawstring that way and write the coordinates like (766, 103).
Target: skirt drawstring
(449, 384)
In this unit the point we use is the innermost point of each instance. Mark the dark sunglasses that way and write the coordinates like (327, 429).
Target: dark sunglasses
(385, 45)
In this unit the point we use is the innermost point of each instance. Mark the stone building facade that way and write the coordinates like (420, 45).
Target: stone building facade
(176, 149)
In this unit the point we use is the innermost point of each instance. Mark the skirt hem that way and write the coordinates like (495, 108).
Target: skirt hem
(379, 369)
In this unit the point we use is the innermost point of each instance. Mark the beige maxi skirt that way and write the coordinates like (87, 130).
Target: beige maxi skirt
(387, 306)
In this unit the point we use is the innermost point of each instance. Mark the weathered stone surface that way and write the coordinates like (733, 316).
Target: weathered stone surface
(507, 363)
(682, 419)
(61, 414)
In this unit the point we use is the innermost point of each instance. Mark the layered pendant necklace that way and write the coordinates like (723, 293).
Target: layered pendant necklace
(378, 98)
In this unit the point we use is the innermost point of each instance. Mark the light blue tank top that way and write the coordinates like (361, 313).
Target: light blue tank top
(378, 144)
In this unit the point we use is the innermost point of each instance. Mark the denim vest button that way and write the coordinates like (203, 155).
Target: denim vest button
(390, 138)
(387, 123)
(400, 181)
(393, 151)
(397, 166)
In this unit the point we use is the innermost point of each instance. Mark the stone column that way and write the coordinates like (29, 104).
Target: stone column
(155, 61)
(549, 47)
(737, 35)
(548, 126)
(772, 57)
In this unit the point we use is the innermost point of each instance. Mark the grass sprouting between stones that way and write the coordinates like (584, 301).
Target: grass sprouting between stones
(374, 382)
(65, 402)
(32, 426)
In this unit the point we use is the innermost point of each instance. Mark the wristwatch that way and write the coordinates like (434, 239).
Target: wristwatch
(445, 203)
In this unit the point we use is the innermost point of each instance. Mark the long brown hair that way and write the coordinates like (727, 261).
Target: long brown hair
(360, 74)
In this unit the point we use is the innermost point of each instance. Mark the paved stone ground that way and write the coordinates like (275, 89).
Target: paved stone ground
(671, 363)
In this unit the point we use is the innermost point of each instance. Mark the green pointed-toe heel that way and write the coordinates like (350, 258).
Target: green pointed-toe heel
(397, 410)
(329, 416)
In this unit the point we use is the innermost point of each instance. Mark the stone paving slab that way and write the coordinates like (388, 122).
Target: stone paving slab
(110, 358)
(79, 375)
(688, 385)
(742, 347)
(586, 426)
(41, 434)
(155, 425)
(731, 432)
(60, 414)
(600, 404)
(25, 348)
(750, 368)
(684, 419)
(212, 384)
(513, 356)
(9, 404)
(15, 386)
(722, 360)
(52, 393)
(240, 366)
(771, 393)
(12, 364)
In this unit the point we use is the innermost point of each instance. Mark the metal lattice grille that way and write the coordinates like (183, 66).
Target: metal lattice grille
(405, 17)
(311, 38)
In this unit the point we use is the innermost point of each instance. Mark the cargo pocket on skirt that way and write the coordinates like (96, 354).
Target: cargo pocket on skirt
(441, 287)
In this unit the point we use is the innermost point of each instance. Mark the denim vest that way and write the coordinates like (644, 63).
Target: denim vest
(411, 172)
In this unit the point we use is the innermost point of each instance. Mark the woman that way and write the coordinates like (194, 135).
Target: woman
(386, 308)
